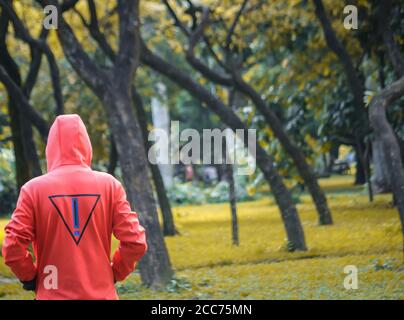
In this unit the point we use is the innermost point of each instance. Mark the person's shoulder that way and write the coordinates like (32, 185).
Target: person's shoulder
(35, 182)
(108, 182)
(105, 177)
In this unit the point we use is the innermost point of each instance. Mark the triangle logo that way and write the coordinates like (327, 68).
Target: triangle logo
(75, 210)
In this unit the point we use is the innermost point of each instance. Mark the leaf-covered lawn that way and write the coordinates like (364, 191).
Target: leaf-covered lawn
(207, 265)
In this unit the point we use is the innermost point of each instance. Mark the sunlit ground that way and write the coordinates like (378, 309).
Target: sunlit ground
(207, 266)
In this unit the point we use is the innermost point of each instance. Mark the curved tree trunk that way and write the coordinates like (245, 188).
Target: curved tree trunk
(113, 157)
(305, 170)
(385, 135)
(356, 87)
(26, 158)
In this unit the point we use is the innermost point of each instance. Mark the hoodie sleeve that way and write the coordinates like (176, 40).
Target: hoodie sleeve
(19, 233)
(131, 236)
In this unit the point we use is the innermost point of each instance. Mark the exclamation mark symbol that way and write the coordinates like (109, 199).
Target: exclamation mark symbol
(76, 223)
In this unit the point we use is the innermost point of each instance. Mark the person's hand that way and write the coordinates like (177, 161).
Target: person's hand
(29, 285)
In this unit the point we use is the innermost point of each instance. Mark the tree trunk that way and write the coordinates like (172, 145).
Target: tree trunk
(22, 172)
(401, 144)
(31, 155)
(363, 173)
(356, 86)
(232, 197)
(26, 159)
(113, 157)
(304, 169)
(360, 177)
(385, 135)
(334, 154)
(164, 202)
(155, 266)
(381, 178)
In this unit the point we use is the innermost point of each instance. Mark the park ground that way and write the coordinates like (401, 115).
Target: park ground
(207, 266)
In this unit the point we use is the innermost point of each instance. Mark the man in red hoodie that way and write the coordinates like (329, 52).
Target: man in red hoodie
(69, 215)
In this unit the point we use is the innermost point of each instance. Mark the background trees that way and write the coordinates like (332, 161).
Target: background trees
(233, 65)
(285, 68)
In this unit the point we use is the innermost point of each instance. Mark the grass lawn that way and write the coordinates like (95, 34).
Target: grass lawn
(367, 235)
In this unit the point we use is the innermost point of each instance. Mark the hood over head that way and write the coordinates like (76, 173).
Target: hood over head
(68, 143)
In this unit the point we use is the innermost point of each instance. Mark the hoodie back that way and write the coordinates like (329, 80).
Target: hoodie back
(69, 215)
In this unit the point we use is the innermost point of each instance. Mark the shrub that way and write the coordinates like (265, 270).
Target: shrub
(8, 192)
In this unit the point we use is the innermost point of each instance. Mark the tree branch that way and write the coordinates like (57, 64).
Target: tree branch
(95, 32)
(177, 21)
(68, 4)
(22, 33)
(36, 59)
(17, 95)
(234, 24)
(167, 69)
(213, 53)
(127, 59)
(341, 52)
(388, 38)
(391, 93)
(196, 35)
(92, 75)
(200, 66)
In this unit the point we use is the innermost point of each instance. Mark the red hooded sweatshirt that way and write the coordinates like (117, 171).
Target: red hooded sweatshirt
(69, 215)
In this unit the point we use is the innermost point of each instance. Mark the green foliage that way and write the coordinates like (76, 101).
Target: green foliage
(8, 192)
(387, 264)
(199, 193)
(186, 193)
(178, 285)
(220, 192)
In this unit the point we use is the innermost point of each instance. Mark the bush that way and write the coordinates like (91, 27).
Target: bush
(220, 192)
(186, 193)
(8, 192)
(198, 193)
(8, 198)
